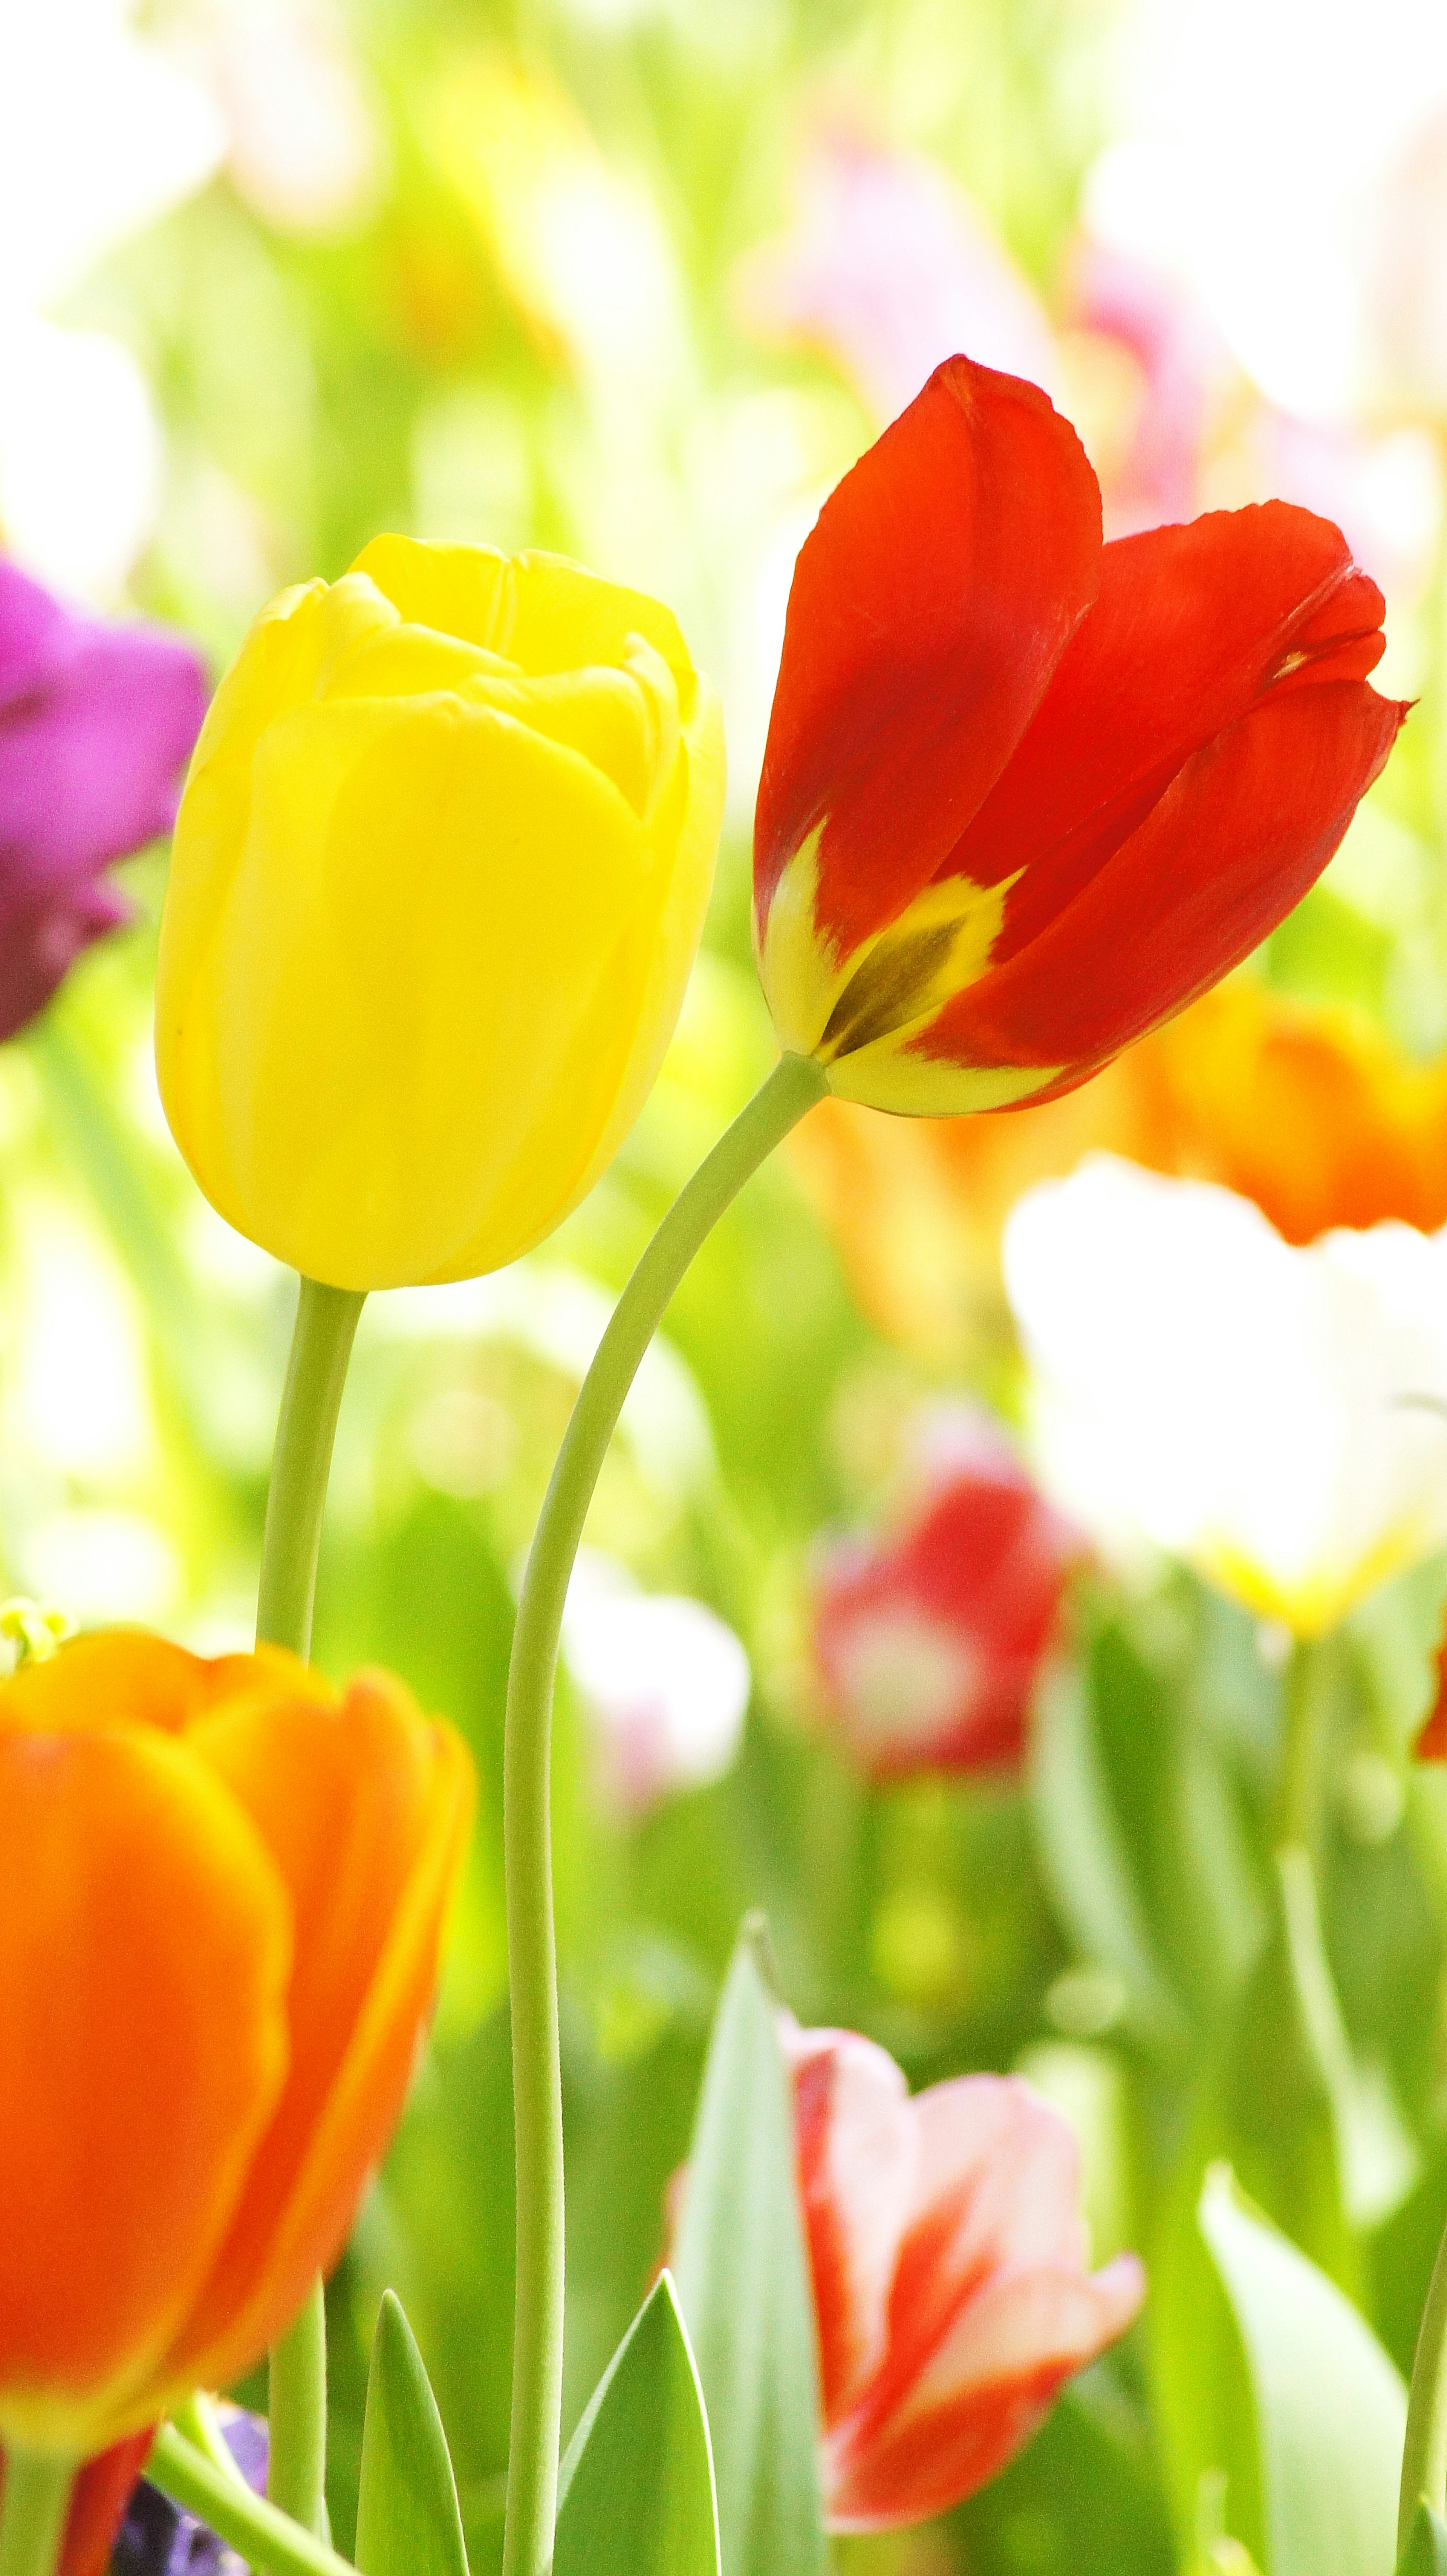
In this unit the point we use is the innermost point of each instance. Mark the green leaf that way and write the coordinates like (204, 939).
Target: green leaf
(636, 2492)
(743, 2284)
(1086, 1862)
(408, 2523)
(1426, 2551)
(1330, 2406)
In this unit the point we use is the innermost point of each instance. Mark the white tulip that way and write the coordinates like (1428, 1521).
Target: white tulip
(1245, 1404)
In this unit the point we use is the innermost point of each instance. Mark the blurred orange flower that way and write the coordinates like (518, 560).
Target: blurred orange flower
(222, 1887)
(1308, 1110)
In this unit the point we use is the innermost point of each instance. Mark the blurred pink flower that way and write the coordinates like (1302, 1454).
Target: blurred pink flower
(949, 2256)
(97, 721)
(888, 267)
(929, 1642)
(1182, 359)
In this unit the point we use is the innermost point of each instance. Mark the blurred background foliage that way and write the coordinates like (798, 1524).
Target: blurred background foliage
(636, 280)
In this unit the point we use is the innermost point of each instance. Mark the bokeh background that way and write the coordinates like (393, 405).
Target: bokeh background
(637, 280)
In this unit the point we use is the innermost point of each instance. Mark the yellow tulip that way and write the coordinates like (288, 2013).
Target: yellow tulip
(438, 877)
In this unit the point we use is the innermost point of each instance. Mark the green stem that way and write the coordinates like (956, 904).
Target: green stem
(326, 1322)
(795, 1084)
(254, 2528)
(33, 2507)
(1424, 2451)
(321, 1345)
(1298, 1803)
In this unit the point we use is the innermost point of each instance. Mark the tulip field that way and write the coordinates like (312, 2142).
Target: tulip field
(723, 1288)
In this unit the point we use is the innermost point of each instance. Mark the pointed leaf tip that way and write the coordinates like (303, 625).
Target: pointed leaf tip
(745, 2290)
(636, 2490)
(408, 2523)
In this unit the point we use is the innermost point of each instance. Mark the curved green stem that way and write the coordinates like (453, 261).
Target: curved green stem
(253, 2527)
(326, 1323)
(795, 1084)
(321, 1345)
(1424, 2450)
(33, 2506)
(1298, 1800)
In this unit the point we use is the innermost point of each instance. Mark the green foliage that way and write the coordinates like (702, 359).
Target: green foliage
(743, 2287)
(636, 2490)
(1330, 2407)
(407, 2518)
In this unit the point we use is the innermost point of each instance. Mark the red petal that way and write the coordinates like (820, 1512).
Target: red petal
(98, 2499)
(930, 605)
(1431, 1744)
(856, 2146)
(1189, 626)
(1239, 835)
(982, 2396)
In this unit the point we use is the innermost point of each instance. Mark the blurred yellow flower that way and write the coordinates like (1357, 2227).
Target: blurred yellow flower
(438, 877)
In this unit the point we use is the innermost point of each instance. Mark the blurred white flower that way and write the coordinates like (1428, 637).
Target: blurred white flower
(80, 454)
(1260, 142)
(1244, 1404)
(305, 151)
(666, 1682)
(101, 132)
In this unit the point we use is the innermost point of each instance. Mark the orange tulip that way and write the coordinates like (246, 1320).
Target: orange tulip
(222, 1887)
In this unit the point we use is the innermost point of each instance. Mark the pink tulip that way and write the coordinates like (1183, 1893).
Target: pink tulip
(950, 2275)
(930, 1643)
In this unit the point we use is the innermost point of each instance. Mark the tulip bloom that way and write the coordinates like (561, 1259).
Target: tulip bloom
(1246, 1404)
(438, 877)
(96, 724)
(950, 2284)
(222, 1888)
(1024, 796)
(930, 1644)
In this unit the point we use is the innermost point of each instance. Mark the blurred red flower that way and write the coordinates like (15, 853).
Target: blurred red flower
(949, 2262)
(929, 1643)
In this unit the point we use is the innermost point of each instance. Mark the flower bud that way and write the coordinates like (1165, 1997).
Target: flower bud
(438, 876)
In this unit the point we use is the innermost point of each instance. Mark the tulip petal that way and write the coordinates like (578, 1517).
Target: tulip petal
(118, 1839)
(929, 608)
(857, 2153)
(123, 1675)
(514, 1086)
(365, 1808)
(97, 2502)
(980, 2396)
(1245, 827)
(1190, 626)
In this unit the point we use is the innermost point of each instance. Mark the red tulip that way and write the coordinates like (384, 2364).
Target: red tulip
(1025, 795)
(98, 2499)
(950, 2283)
(930, 1645)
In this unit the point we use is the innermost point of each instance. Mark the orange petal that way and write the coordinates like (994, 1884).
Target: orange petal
(365, 1807)
(124, 1673)
(144, 1956)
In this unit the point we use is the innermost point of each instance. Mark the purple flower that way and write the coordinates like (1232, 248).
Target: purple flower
(158, 2539)
(96, 726)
